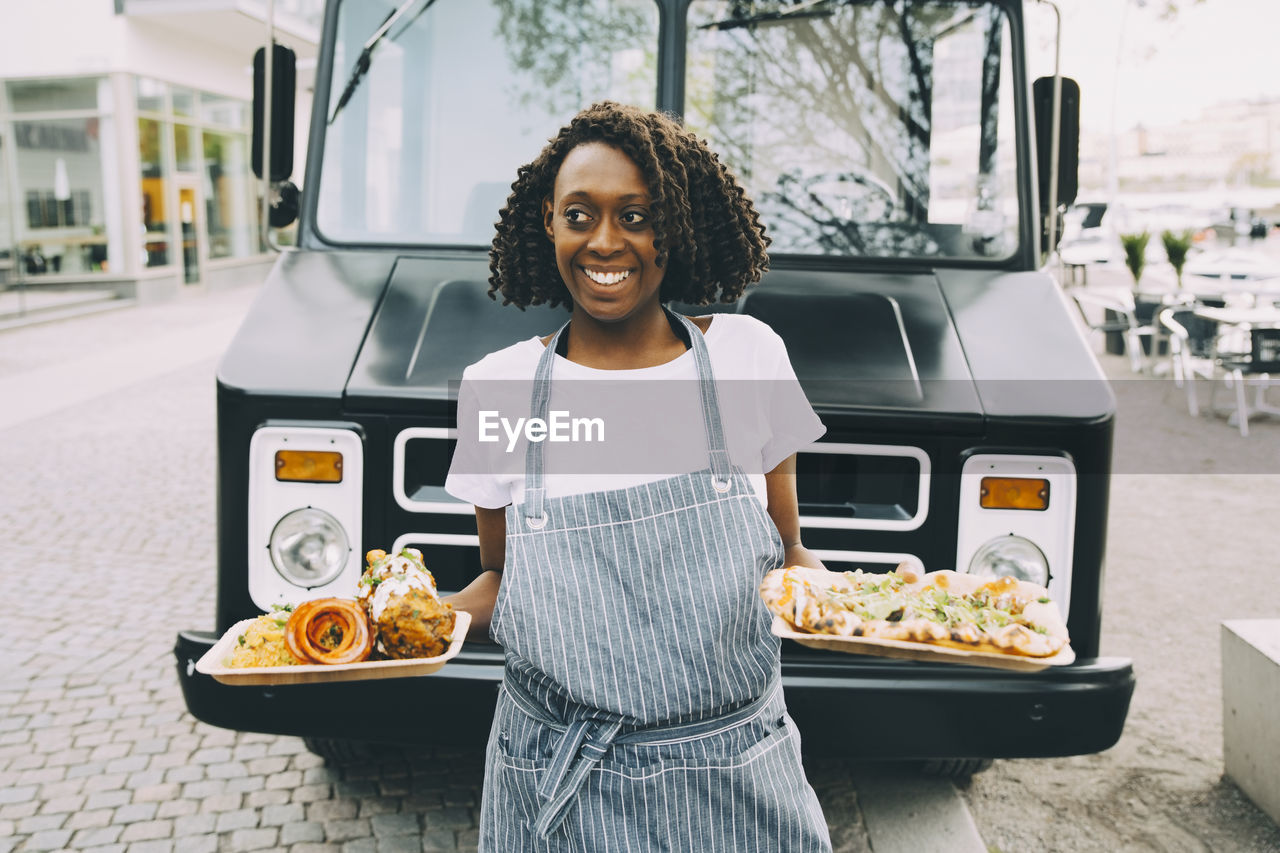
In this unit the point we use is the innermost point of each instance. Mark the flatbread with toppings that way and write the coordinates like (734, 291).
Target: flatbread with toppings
(943, 609)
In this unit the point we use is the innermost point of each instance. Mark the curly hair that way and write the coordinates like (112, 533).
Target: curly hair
(707, 233)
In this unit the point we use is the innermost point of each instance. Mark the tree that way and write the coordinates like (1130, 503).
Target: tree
(556, 41)
(827, 117)
(833, 114)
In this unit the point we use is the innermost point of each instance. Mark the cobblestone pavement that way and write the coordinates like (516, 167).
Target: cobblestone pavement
(106, 551)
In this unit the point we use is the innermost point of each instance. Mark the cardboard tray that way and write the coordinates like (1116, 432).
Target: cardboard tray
(918, 651)
(212, 663)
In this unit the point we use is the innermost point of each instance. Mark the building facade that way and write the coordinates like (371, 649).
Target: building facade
(125, 134)
(1231, 144)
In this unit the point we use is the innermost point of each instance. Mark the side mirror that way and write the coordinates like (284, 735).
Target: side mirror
(283, 209)
(1068, 140)
(284, 80)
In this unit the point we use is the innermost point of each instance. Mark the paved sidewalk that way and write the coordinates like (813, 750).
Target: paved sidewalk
(204, 320)
(23, 305)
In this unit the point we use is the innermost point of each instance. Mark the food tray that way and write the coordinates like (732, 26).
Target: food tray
(212, 662)
(918, 651)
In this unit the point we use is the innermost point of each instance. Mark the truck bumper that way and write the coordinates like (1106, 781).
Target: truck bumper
(887, 709)
(863, 708)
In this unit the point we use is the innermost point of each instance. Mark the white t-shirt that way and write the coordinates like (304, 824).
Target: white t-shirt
(611, 429)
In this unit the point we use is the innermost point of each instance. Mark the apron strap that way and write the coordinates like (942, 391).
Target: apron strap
(535, 514)
(711, 422)
(540, 402)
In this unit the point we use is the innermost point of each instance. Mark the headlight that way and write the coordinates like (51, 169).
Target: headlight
(309, 547)
(1011, 555)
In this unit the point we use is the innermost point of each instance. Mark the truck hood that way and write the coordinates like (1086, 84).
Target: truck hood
(880, 346)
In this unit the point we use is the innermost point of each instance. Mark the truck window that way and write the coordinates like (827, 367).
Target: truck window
(424, 152)
(863, 129)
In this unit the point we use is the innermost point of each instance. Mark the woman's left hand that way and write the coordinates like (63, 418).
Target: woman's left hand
(784, 509)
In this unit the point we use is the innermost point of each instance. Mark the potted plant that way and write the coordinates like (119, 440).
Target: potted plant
(1176, 248)
(1135, 253)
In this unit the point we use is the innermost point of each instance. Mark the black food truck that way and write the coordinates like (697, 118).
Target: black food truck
(900, 158)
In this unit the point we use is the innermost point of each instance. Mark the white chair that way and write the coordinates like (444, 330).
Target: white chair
(1259, 363)
(1192, 350)
(1113, 311)
(1206, 349)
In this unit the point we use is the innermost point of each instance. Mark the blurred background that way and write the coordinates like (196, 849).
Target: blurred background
(124, 143)
(124, 137)
(1180, 130)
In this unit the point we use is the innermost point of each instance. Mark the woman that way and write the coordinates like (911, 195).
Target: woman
(641, 706)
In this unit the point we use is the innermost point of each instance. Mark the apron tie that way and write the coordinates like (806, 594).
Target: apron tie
(579, 749)
(586, 740)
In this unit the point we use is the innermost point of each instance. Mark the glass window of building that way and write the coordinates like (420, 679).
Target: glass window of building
(229, 199)
(7, 272)
(185, 153)
(154, 140)
(184, 102)
(195, 176)
(63, 211)
(223, 111)
(151, 95)
(38, 96)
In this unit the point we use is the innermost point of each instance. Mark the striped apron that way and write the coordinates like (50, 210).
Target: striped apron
(641, 705)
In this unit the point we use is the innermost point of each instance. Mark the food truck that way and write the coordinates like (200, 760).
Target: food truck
(902, 162)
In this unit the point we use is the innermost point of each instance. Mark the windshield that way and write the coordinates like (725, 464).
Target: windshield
(881, 129)
(427, 148)
(863, 128)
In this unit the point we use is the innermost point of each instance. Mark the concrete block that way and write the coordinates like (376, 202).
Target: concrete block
(905, 813)
(1251, 709)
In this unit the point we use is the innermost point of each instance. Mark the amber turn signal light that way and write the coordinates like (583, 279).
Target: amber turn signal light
(1014, 493)
(309, 466)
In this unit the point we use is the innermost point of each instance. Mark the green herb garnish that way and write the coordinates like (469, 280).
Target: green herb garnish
(334, 636)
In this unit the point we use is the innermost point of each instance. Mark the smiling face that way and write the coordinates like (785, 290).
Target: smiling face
(600, 219)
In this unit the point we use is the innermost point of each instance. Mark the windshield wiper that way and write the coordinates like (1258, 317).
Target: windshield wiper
(782, 16)
(366, 54)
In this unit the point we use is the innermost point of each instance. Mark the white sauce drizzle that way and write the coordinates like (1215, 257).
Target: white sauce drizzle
(397, 576)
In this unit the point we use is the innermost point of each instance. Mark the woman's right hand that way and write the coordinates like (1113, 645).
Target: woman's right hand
(479, 597)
